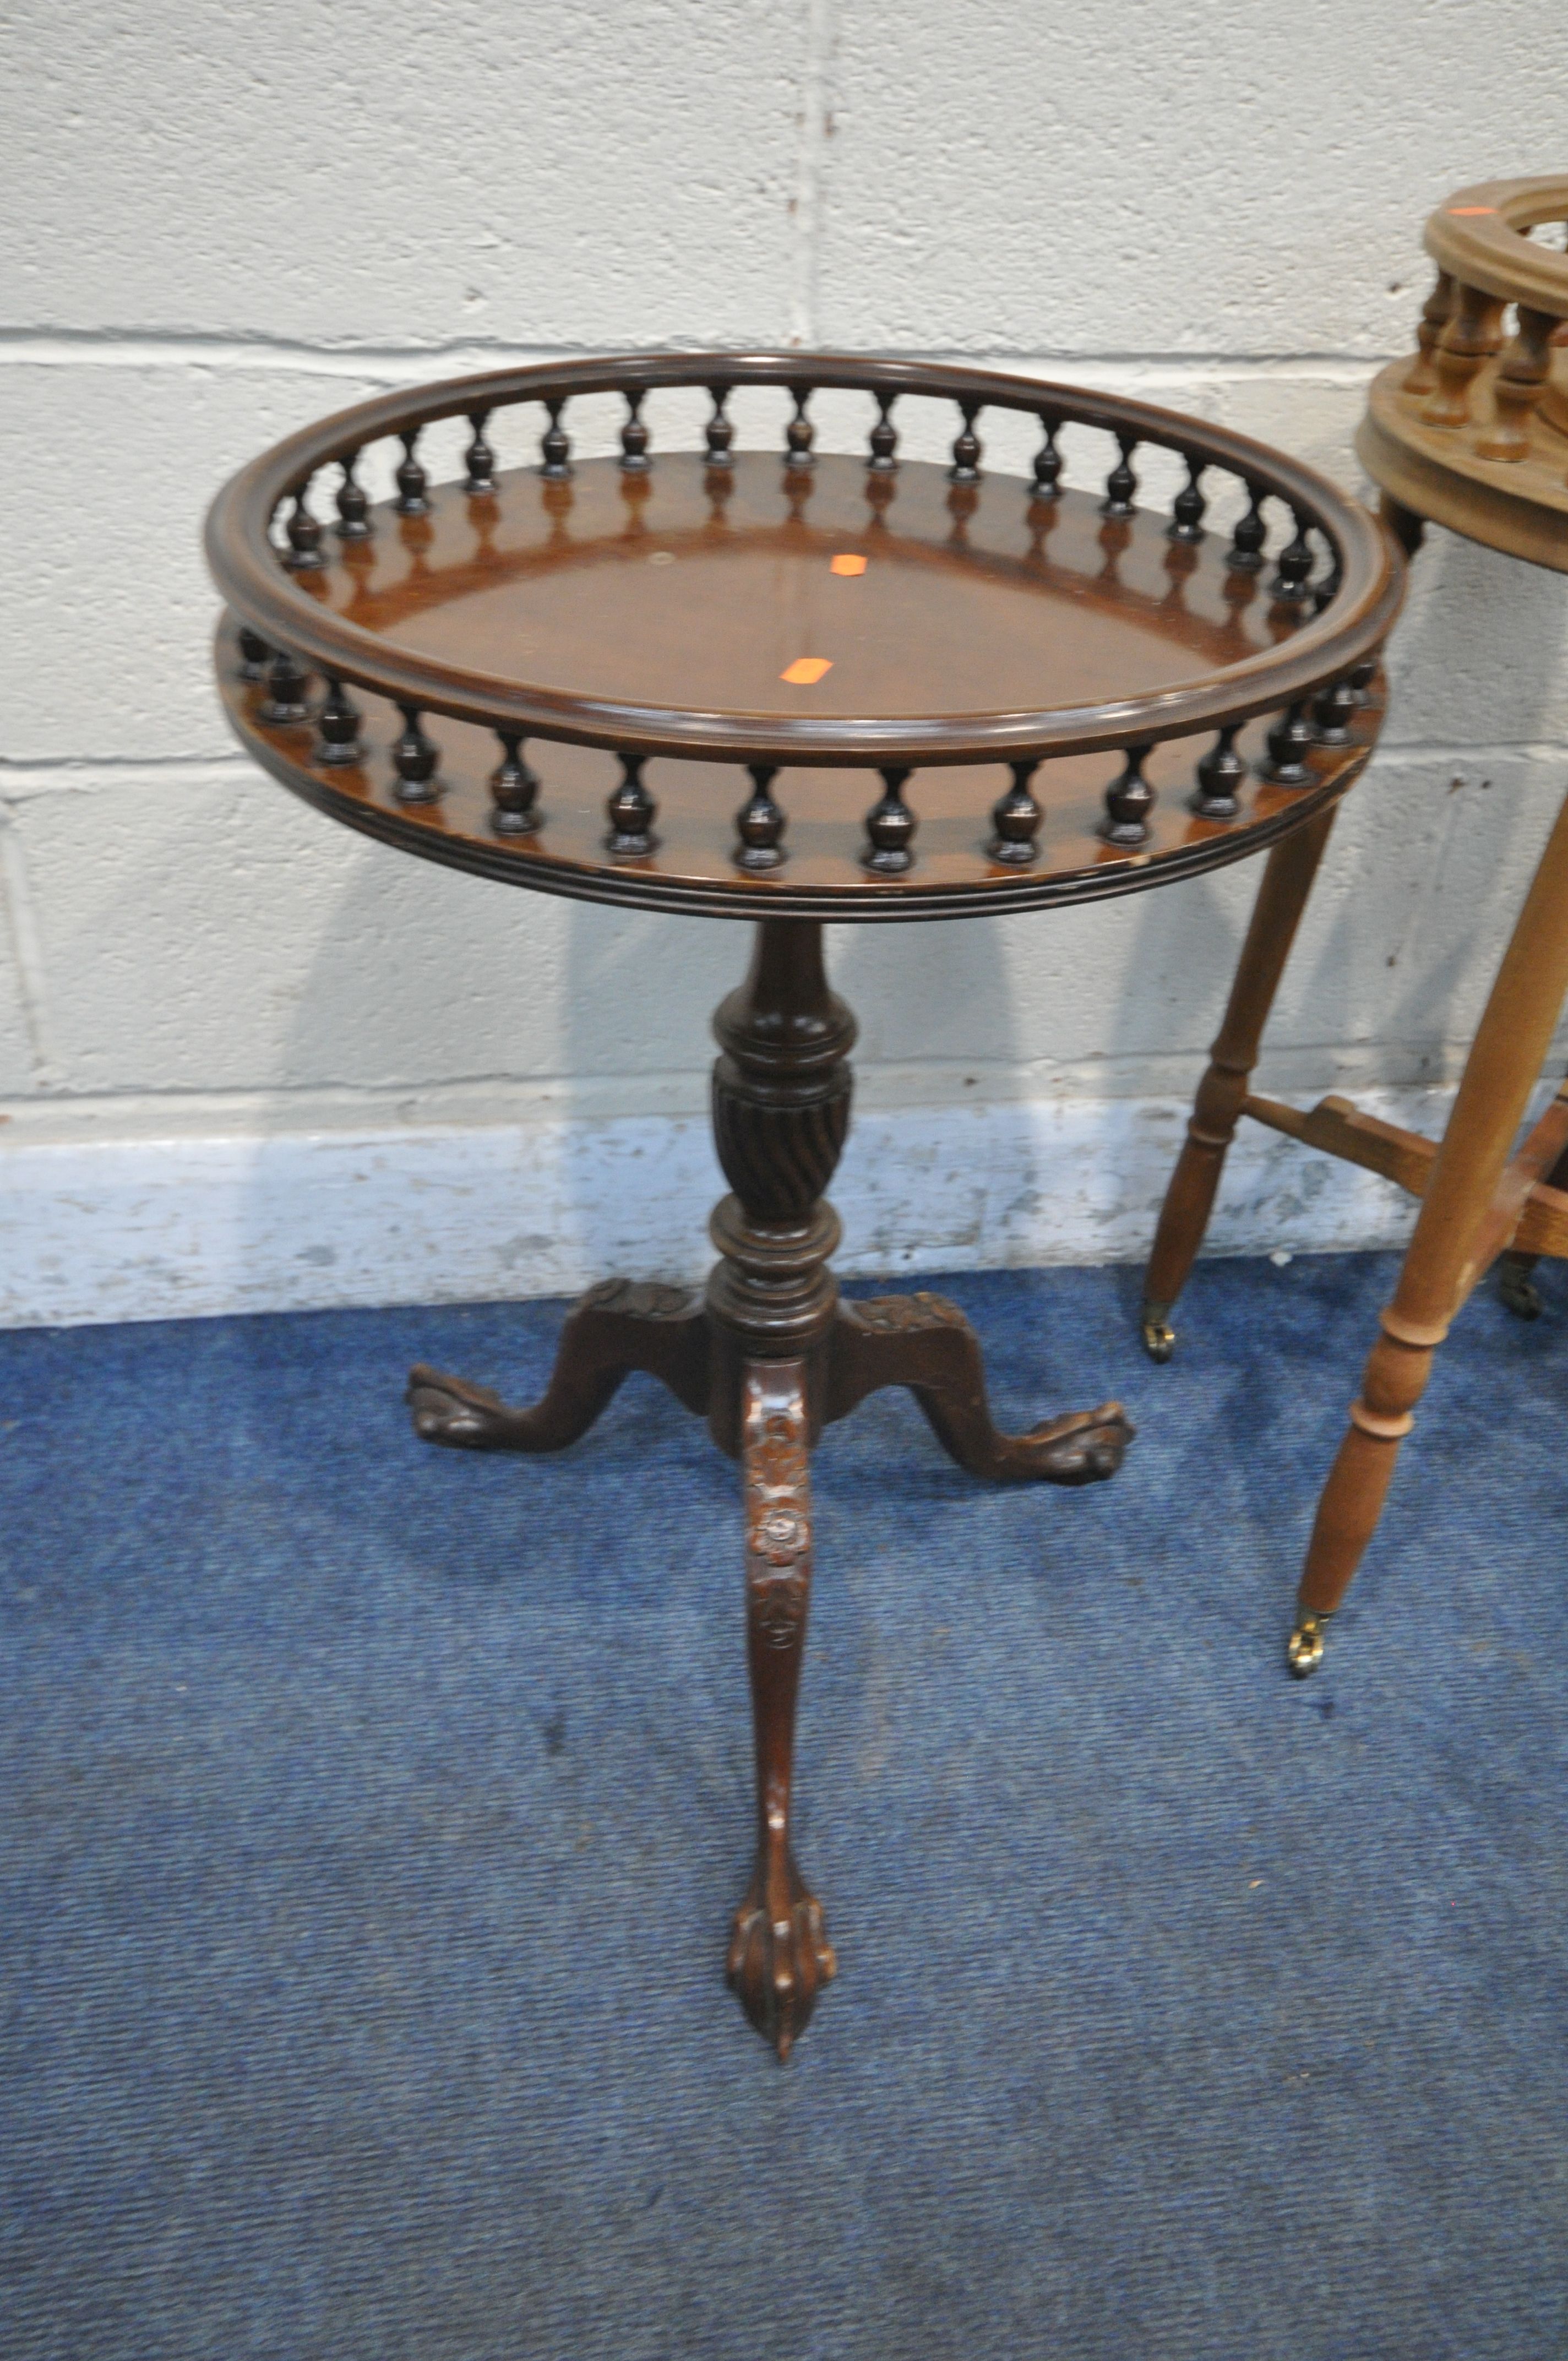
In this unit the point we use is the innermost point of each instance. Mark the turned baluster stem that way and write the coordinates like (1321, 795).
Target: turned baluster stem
(1015, 820)
(480, 459)
(1436, 313)
(1473, 335)
(514, 789)
(632, 811)
(760, 823)
(411, 478)
(1517, 389)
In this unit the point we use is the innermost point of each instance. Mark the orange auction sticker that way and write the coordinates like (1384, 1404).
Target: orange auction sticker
(849, 562)
(807, 670)
(1461, 210)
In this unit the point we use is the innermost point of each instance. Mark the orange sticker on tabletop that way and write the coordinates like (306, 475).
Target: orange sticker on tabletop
(807, 670)
(849, 563)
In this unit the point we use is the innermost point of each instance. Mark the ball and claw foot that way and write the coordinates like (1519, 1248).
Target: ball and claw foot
(1304, 1648)
(1159, 1336)
(780, 1958)
(1086, 1447)
(451, 1410)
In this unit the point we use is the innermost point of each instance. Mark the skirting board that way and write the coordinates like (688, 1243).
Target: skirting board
(157, 1229)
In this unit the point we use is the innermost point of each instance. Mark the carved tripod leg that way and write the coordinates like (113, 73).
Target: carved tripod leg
(1441, 1264)
(779, 1954)
(924, 1343)
(616, 1327)
(1189, 1195)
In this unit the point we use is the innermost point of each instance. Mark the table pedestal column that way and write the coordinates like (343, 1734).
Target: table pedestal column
(769, 1356)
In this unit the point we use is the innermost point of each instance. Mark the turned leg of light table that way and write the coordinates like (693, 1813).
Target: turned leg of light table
(1447, 1254)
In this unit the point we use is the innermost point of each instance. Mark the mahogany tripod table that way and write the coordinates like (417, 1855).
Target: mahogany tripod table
(792, 686)
(1468, 435)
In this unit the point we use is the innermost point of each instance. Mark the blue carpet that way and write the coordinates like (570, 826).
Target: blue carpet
(374, 1815)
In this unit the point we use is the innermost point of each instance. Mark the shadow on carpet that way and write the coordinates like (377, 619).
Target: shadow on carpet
(373, 1817)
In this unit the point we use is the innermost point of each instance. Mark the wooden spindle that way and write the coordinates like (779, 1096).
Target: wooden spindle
(1048, 460)
(800, 435)
(1290, 585)
(1187, 509)
(413, 481)
(1325, 592)
(352, 503)
(965, 468)
(1121, 483)
(1473, 335)
(514, 789)
(304, 554)
(1435, 315)
(1331, 710)
(337, 726)
(1359, 680)
(1015, 820)
(635, 460)
(1245, 553)
(1129, 799)
(254, 653)
(890, 828)
(885, 435)
(554, 446)
(414, 760)
(1290, 743)
(1517, 389)
(480, 459)
(632, 813)
(720, 430)
(760, 823)
(284, 704)
(1220, 776)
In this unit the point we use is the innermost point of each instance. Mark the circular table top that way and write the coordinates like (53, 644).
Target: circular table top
(825, 619)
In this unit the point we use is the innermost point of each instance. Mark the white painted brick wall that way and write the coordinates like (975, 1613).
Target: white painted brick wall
(227, 223)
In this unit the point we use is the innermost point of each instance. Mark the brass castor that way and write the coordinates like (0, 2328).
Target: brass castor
(1516, 1285)
(1158, 1335)
(1304, 1648)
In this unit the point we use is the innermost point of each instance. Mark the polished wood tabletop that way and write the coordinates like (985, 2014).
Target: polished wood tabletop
(661, 623)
